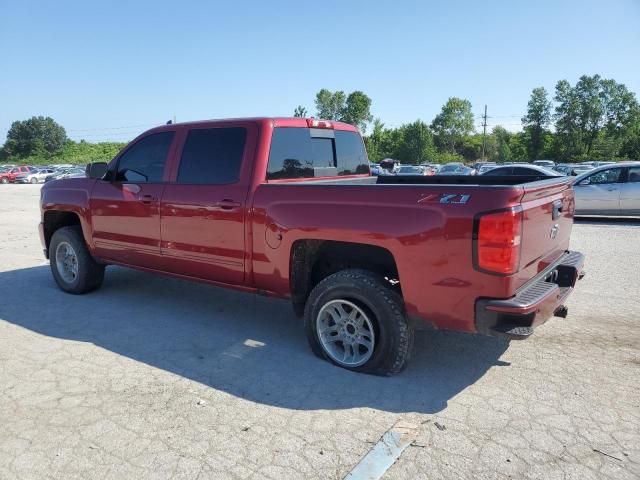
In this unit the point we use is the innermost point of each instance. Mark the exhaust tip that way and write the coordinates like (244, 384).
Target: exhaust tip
(561, 312)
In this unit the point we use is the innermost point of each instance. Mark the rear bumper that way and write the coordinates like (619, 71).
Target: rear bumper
(534, 303)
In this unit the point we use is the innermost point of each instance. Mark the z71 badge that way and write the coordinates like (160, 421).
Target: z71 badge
(446, 198)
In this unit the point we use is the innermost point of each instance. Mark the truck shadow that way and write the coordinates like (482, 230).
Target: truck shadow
(245, 345)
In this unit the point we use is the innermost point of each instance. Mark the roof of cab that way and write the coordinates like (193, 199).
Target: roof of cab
(274, 121)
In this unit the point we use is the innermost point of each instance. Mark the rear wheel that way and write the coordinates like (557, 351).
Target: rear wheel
(73, 267)
(356, 321)
(4, 180)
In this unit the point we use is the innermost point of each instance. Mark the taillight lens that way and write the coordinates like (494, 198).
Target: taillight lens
(498, 239)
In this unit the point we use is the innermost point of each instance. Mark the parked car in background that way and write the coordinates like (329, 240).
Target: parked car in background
(571, 169)
(375, 169)
(522, 170)
(480, 165)
(34, 176)
(609, 190)
(412, 170)
(74, 172)
(544, 163)
(596, 163)
(486, 167)
(455, 168)
(10, 175)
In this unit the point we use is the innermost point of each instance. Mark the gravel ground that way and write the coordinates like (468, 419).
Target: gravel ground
(152, 377)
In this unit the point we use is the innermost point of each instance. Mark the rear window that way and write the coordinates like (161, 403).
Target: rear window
(212, 156)
(305, 153)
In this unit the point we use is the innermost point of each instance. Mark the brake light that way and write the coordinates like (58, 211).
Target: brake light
(498, 239)
(313, 123)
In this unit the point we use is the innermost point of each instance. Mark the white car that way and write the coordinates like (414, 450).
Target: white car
(35, 176)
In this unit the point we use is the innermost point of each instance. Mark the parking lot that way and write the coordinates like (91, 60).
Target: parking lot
(160, 378)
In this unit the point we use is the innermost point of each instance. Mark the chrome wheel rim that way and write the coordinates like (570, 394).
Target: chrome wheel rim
(345, 333)
(66, 262)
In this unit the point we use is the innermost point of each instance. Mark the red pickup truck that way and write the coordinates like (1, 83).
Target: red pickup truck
(9, 176)
(286, 207)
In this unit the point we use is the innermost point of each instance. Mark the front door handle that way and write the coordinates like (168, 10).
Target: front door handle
(611, 189)
(147, 199)
(227, 204)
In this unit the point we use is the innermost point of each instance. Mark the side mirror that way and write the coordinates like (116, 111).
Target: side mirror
(586, 181)
(96, 170)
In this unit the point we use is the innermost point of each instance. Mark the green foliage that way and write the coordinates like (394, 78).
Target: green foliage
(536, 121)
(453, 123)
(72, 152)
(354, 109)
(300, 112)
(592, 117)
(35, 136)
(503, 148)
(415, 143)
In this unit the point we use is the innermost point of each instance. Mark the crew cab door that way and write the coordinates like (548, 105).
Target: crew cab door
(125, 205)
(203, 209)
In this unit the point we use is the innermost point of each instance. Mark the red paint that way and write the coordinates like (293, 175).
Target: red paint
(241, 235)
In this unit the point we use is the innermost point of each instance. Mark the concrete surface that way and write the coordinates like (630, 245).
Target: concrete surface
(152, 377)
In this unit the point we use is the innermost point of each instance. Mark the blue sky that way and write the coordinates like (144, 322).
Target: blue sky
(109, 70)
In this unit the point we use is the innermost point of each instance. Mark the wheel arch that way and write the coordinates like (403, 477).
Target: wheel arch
(313, 260)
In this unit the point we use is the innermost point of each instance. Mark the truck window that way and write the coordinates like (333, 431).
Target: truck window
(295, 153)
(212, 156)
(352, 157)
(144, 161)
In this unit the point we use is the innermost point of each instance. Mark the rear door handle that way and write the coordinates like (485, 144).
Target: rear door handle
(147, 199)
(611, 189)
(227, 204)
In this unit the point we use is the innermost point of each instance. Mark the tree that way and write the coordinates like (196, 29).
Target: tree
(357, 110)
(595, 113)
(330, 105)
(453, 123)
(417, 143)
(37, 135)
(536, 121)
(300, 111)
(503, 149)
(354, 109)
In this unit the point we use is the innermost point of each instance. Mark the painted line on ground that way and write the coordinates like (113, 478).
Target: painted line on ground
(384, 453)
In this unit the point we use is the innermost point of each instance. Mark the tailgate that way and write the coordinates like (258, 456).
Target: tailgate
(548, 208)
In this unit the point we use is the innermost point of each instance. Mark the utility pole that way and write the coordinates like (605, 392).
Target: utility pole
(484, 131)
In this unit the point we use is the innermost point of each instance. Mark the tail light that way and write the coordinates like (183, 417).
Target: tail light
(497, 241)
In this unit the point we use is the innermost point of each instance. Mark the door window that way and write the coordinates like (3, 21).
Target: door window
(611, 175)
(144, 162)
(634, 175)
(212, 156)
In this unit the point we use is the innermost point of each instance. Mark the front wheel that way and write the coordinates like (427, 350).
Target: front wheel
(73, 267)
(5, 180)
(356, 321)
(33, 180)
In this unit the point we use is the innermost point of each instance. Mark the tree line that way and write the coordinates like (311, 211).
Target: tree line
(594, 119)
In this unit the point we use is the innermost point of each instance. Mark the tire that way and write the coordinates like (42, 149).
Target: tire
(5, 180)
(380, 320)
(33, 180)
(77, 276)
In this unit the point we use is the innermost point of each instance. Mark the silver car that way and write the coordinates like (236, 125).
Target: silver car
(609, 190)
